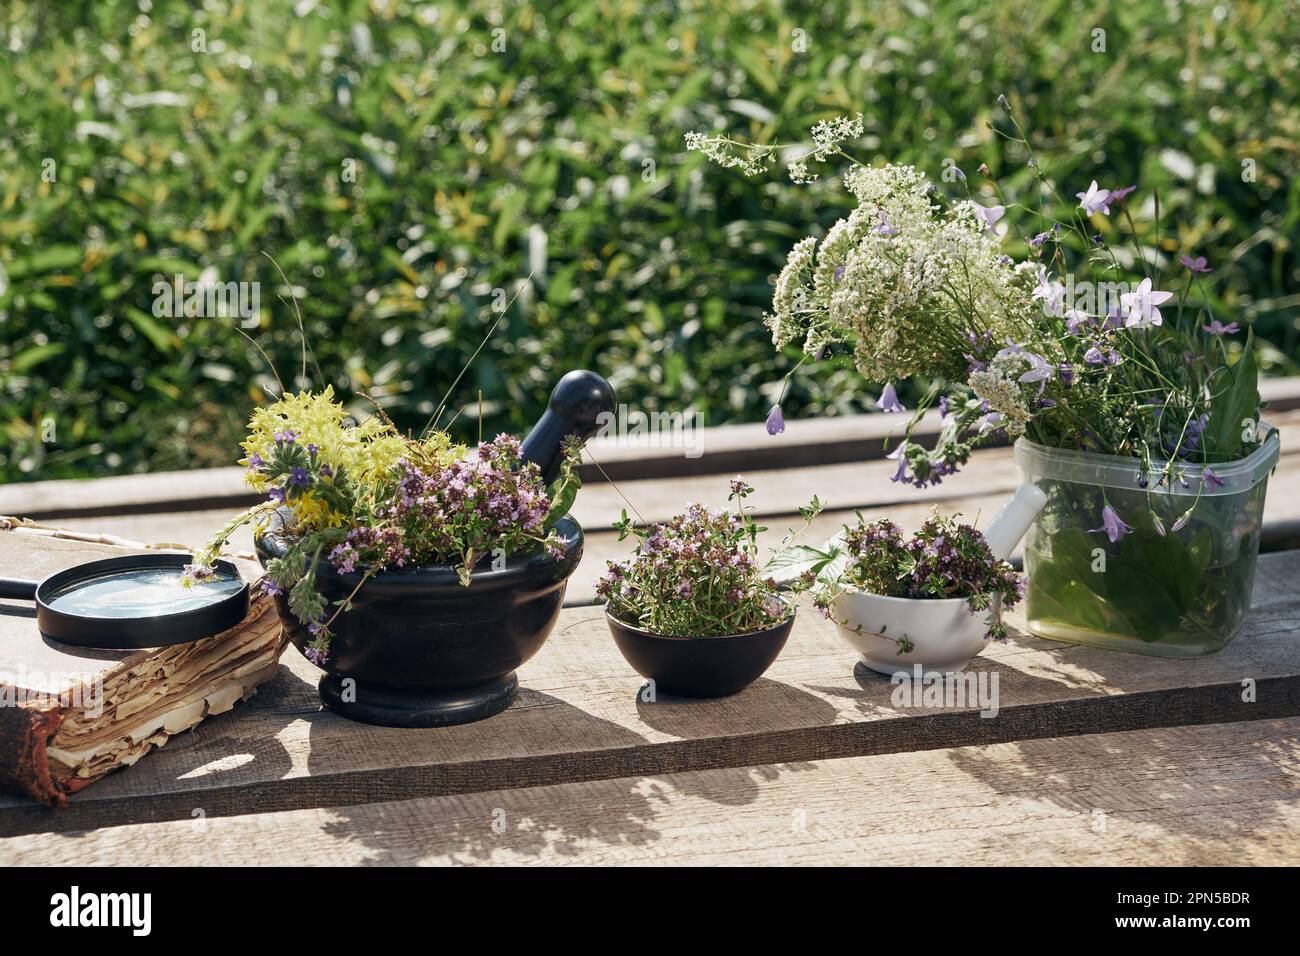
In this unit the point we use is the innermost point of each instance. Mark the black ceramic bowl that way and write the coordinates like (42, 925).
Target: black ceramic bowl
(419, 650)
(700, 666)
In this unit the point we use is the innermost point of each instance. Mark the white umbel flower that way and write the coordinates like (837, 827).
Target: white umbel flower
(902, 280)
(828, 134)
(789, 300)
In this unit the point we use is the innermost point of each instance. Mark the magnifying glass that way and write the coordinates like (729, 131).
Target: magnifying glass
(133, 601)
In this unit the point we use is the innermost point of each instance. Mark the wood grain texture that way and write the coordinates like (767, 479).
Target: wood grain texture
(1222, 795)
(581, 716)
(809, 447)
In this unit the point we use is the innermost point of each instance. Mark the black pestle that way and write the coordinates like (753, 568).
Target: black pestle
(577, 403)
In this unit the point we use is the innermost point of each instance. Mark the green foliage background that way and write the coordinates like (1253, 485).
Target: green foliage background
(656, 267)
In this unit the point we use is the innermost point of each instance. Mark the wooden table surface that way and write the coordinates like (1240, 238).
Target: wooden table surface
(1091, 756)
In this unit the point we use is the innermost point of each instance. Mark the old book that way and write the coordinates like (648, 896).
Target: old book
(70, 715)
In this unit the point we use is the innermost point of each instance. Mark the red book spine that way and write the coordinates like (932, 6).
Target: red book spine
(25, 732)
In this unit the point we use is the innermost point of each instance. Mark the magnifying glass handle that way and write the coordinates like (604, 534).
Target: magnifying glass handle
(18, 589)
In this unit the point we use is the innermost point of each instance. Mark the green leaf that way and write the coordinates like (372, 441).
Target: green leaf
(169, 266)
(163, 339)
(1073, 552)
(49, 259)
(253, 226)
(1145, 590)
(562, 498)
(30, 358)
(1234, 407)
(796, 561)
(1064, 586)
(511, 206)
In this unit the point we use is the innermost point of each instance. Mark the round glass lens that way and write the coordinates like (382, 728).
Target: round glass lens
(142, 592)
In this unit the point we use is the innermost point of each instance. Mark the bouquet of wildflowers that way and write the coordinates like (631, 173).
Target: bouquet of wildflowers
(1065, 346)
(364, 498)
(695, 575)
(1078, 345)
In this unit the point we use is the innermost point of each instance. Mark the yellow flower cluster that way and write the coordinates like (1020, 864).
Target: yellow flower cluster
(364, 455)
(311, 512)
(316, 418)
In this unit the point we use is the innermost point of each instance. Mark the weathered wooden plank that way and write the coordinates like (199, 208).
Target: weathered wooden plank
(732, 449)
(201, 488)
(842, 487)
(725, 450)
(816, 441)
(581, 716)
(1280, 394)
(223, 488)
(187, 528)
(1227, 794)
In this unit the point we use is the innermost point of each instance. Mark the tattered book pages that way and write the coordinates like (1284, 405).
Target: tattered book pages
(70, 715)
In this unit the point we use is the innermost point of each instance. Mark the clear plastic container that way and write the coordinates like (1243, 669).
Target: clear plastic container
(1183, 593)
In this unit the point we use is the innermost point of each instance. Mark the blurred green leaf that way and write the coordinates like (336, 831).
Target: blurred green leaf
(28, 359)
(151, 329)
(50, 259)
